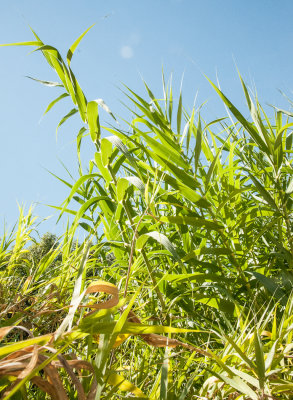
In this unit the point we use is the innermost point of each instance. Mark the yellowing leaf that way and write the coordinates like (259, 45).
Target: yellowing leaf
(123, 384)
(105, 287)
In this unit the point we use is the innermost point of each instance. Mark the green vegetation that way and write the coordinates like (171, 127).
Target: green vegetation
(182, 288)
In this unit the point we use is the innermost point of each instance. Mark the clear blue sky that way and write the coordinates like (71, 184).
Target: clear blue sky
(132, 38)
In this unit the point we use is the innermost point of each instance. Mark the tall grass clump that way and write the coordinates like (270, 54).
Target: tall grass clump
(188, 249)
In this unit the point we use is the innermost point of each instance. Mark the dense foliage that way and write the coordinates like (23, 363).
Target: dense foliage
(189, 234)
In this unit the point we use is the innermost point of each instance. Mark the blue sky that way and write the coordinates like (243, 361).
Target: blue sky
(131, 39)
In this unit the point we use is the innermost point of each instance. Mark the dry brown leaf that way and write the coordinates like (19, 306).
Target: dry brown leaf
(79, 365)
(31, 365)
(21, 363)
(5, 330)
(64, 364)
(45, 386)
(25, 370)
(163, 341)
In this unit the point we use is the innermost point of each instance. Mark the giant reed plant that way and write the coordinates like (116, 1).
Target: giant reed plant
(196, 217)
